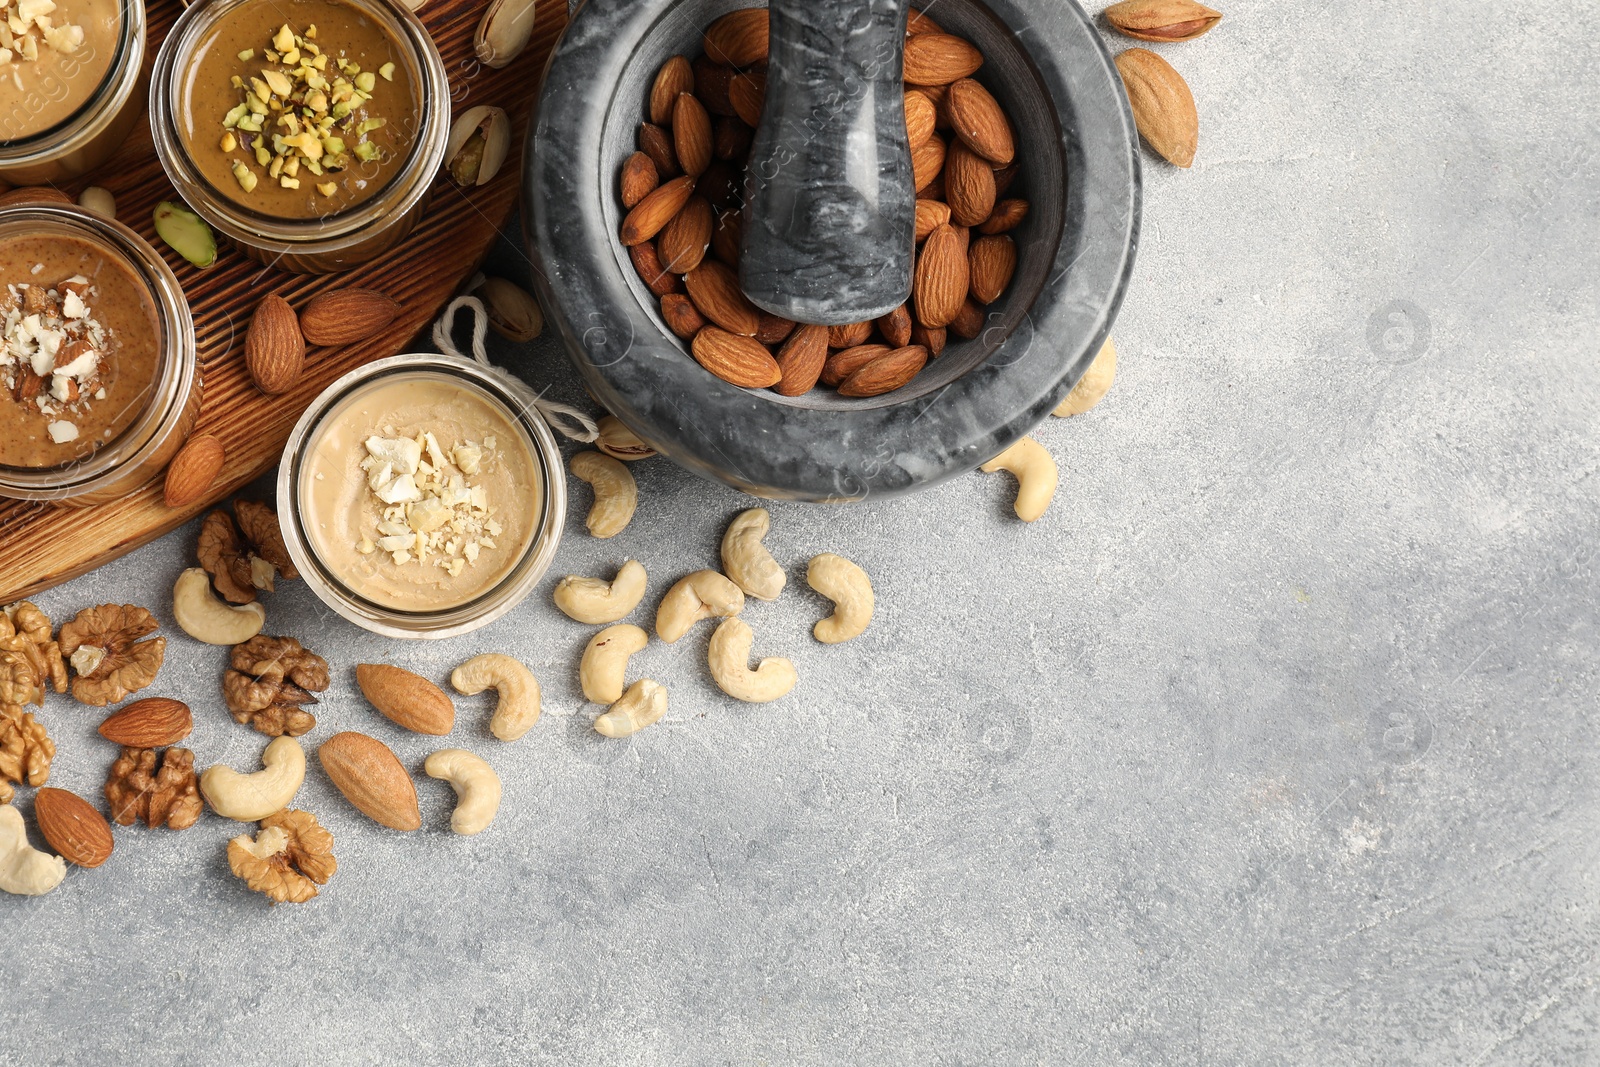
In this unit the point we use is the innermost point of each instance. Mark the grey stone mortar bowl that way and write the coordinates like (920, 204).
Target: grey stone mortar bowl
(1078, 151)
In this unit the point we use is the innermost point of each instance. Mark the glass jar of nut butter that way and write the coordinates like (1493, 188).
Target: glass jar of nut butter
(71, 85)
(99, 384)
(308, 131)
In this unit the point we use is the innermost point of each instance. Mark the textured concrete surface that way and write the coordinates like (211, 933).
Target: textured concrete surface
(1274, 742)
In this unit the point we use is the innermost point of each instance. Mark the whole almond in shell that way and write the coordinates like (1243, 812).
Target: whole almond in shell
(274, 350)
(968, 186)
(920, 117)
(639, 177)
(714, 288)
(73, 827)
(939, 282)
(736, 359)
(675, 76)
(939, 59)
(691, 134)
(372, 778)
(345, 316)
(847, 361)
(407, 699)
(1163, 106)
(800, 360)
(1162, 20)
(684, 240)
(153, 722)
(886, 373)
(681, 317)
(738, 38)
(977, 119)
(991, 261)
(656, 210)
(192, 470)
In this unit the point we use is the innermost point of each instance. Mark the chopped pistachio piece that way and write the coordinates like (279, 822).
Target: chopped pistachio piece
(246, 176)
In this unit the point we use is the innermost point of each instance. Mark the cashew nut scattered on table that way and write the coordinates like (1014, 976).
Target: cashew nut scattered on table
(605, 661)
(1035, 470)
(746, 560)
(616, 494)
(729, 658)
(518, 689)
(593, 601)
(848, 586)
(205, 618)
(697, 596)
(1093, 386)
(252, 797)
(25, 870)
(644, 703)
(477, 788)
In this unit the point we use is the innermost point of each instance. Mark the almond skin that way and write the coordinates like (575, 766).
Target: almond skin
(886, 373)
(968, 186)
(930, 337)
(681, 316)
(656, 210)
(715, 291)
(738, 360)
(691, 135)
(920, 117)
(407, 699)
(931, 214)
(730, 139)
(939, 282)
(372, 778)
(73, 827)
(639, 178)
(847, 361)
(917, 22)
(1162, 20)
(274, 350)
(850, 335)
(656, 143)
(675, 76)
(977, 119)
(968, 320)
(1163, 106)
(939, 59)
(153, 722)
(800, 360)
(773, 329)
(34, 194)
(192, 470)
(927, 163)
(345, 316)
(896, 327)
(684, 240)
(1008, 215)
(738, 38)
(991, 262)
(727, 236)
(657, 278)
(748, 95)
(711, 80)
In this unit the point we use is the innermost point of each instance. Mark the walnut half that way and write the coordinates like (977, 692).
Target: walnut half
(270, 678)
(245, 552)
(25, 750)
(136, 790)
(287, 860)
(106, 646)
(29, 656)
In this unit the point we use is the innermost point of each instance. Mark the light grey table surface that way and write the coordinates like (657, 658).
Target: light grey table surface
(1272, 743)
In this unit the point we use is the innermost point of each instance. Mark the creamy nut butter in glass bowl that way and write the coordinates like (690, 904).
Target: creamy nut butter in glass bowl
(420, 497)
(71, 88)
(308, 131)
(99, 385)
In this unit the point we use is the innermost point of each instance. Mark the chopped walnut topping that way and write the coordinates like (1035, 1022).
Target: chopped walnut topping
(128, 664)
(136, 790)
(52, 349)
(270, 678)
(25, 750)
(29, 656)
(287, 860)
(435, 509)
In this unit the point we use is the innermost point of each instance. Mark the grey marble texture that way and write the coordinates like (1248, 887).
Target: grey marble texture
(1273, 743)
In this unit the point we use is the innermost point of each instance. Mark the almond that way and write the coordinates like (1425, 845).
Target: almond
(748, 95)
(639, 177)
(711, 80)
(1004, 177)
(718, 183)
(676, 76)
(800, 360)
(691, 134)
(727, 237)
(920, 117)
(927, 162)
(939, 281)
(684, 240)
(1008, 215)
(736, 359)
(656, 210)
(33, 194)
(939, 59)
(716, 293)
(1163, 106)
(657, 278)
(930, 337)
(917, 22)
(886, 373)
(968, 186)
(991, 263)
(968, 320)
(192, 471)
(731, 139)
(274, 350)
(850, 335)
(847, 361)
(896, 327)
(931, 214)
(154, 722)
(656, 143)
(407, 699)
(72, 827)
(773, 329)
(977, 119)
(681, 316)
(1162, 20)
(345, 316)
(738, 38)
(372, 778)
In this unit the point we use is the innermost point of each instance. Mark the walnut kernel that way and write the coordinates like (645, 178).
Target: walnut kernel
(129, 663)
(269, 679)
(288, 859)
(25, 750)
(136, 790)
(29, 656)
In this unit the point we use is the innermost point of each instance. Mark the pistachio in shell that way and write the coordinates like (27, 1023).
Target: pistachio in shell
(503, 32)
(513, 312)
(479, 142)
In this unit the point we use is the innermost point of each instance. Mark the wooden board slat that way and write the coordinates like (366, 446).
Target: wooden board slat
(42, 545)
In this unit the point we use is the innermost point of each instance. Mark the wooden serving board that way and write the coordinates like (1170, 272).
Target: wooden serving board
(42, 545)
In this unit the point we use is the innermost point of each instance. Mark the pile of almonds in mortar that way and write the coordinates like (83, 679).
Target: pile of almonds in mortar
(683, 227)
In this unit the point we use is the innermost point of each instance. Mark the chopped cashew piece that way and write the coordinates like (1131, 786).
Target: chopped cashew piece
(746, 560)
(729, 658)
(848, 586)
(695, 597)
(252, 797)
(1036, 475)
(477, 788)
(616, 494)
(644, 703)
(518, 689)
(25, 870)
(592, 601)
(205, 618)
(1093, 386)
(605, 660)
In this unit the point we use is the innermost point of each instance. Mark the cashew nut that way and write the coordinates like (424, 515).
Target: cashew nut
(729, 657)
(592, 601)
(1036, 476)
(616, 494)
(695, 597)
(848, 586)
(1093, 386)
(746, 560)
(644, 703)
(25, 870)
(252, 797)
(205, 618)
(605, 659)
(515, 684)
(477, 788)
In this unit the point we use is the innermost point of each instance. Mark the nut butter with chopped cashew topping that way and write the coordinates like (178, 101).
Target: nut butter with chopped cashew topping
(54, 55)
(419, 493)
(298, 110)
